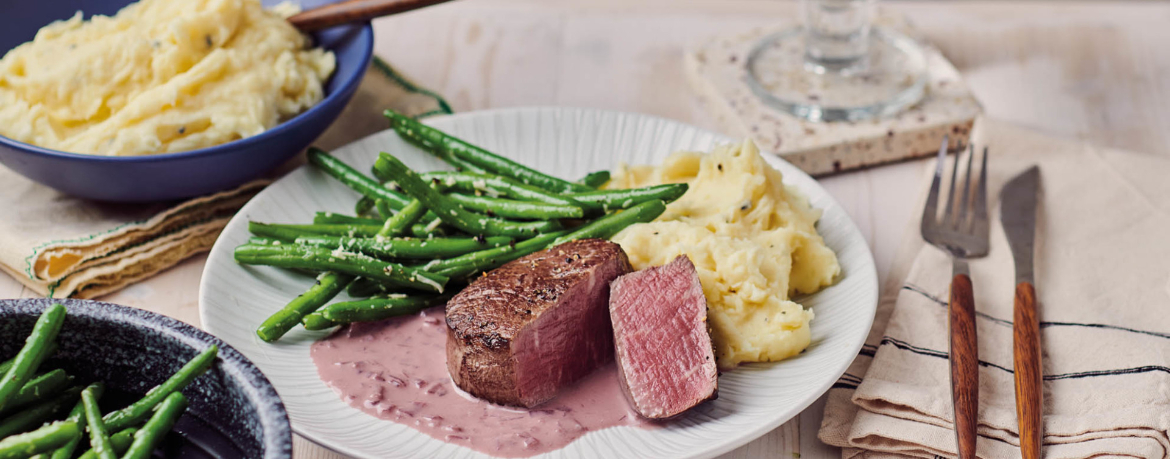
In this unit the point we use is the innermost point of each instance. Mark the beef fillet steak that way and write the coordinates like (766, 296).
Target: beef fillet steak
(665, 360)
(523, 331)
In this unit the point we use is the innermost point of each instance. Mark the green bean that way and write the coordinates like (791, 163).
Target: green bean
(362, 288)
(520, 210)
(484, 260)
(42, 440)
(401, 221)
(413, 248)
(384, 210)
(119, 441)
(334, 218)
(49, 350)
(316, 321)
(375, 309)
(354, 179)
(609, 225)
(463, 166)
(610, 200)
(38, 389)
(328, 285)
(139, 410)
(76, 415)
(5, 365)
(99, 440)
(35, 415)
(283, 233)
(432, 226)
(412, 137)
(289, 233)
(149, 436)
(32, 354)
(366, 205)
(478, 156)
(450, 212)
(494, 186)
(264, 240)
(595, 179)
(323, 259)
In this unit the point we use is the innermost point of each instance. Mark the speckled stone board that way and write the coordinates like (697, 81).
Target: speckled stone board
(717, 71)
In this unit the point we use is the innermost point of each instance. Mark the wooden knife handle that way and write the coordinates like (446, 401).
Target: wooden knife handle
(1029, 379)
(964, 364)
(353, 11)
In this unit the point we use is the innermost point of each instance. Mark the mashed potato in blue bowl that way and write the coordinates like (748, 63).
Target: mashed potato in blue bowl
(165, 99)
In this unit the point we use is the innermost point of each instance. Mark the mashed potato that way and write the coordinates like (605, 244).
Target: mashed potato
(752, 239)
(160, 76)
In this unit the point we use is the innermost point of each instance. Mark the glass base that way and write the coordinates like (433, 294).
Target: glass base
(888, 79)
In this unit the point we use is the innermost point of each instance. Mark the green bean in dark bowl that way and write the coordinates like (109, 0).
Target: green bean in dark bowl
(96, 380)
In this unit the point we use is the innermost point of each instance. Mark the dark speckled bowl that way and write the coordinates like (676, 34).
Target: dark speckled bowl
(234, 411)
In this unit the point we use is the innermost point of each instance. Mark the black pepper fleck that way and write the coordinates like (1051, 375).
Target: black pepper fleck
(207, 39)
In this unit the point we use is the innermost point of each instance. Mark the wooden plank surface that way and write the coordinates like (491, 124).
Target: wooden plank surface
(1089, 70)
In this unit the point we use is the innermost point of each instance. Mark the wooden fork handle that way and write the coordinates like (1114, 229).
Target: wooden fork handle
(1029, 379)
(353, 11)
(964, 364)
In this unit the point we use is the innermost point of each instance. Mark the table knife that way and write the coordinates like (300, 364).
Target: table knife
(1018, 215)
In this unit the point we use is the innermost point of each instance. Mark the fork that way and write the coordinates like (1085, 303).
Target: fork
(964, 235)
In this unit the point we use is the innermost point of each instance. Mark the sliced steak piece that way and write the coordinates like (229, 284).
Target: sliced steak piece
(523, 331)
(665, 360)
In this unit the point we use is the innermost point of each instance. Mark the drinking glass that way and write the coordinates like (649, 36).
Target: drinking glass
(838, 66)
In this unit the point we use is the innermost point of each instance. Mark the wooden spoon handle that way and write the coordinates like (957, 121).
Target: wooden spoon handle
(1029, 379)
(964, 364)
(353, 11)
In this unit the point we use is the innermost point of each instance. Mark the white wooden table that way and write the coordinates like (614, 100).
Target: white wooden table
(1095, 71)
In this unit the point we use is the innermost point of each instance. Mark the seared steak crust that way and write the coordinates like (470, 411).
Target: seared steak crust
(523, 331)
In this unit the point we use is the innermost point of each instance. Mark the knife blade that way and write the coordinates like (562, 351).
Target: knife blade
(1020, 198)
(1018, 214)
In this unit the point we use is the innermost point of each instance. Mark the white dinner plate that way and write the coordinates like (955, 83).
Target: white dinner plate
(566, 142)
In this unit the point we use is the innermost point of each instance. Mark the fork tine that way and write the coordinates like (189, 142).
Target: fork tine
(930, 212)
(962, 218)
(981, 193)
(949, 217)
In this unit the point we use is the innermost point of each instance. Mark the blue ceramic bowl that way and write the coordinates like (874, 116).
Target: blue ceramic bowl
(189, 173)
(234, 411)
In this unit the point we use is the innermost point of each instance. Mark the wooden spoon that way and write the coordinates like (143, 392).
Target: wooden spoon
(353, 11)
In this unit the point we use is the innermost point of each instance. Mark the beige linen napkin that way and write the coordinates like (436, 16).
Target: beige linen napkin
(62, 246)
(1103, 284)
